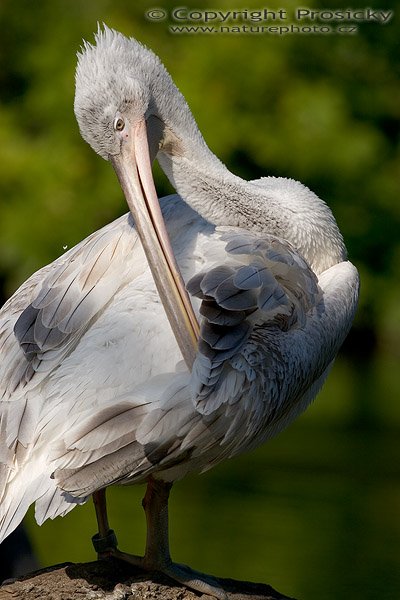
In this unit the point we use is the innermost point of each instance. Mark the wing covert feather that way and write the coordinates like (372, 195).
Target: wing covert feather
(50, 312)
(266, 284)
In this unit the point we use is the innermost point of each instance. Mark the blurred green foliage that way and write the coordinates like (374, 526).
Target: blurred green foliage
(323, 109)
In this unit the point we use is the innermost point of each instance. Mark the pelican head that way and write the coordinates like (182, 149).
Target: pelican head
(114, 81)
(121, 87)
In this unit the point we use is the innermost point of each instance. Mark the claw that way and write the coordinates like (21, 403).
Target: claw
(200, 582)
(132, 559)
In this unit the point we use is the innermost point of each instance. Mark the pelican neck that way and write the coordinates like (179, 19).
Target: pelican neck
(277, 206)
(218, 195)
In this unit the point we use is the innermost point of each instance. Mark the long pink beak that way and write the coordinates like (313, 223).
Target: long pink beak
(133, 169)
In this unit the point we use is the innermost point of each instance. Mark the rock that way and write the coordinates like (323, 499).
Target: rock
(113, 580)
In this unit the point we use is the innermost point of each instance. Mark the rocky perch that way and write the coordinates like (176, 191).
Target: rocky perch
(113, 580)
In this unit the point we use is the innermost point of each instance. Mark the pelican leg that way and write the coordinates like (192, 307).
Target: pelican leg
(105, 540)
(157, 556)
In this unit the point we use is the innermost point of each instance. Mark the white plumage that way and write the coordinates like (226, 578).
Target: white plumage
(93, 387)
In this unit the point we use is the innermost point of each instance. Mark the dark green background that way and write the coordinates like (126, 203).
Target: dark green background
(315, 512)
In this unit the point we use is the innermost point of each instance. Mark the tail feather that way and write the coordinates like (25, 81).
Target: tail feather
(31, 483)
(20, 491)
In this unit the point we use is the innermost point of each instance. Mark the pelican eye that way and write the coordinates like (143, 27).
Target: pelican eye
(119, 124)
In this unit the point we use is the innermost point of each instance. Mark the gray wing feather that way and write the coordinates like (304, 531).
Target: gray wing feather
(221, 337)
(47, 316)
(229, 296)
(248, 277)
(268, 285)
(219, 316)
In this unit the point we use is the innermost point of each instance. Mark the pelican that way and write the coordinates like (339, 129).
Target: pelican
(106, 375)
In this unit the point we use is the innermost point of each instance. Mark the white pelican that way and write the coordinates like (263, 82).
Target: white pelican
(93, 387)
